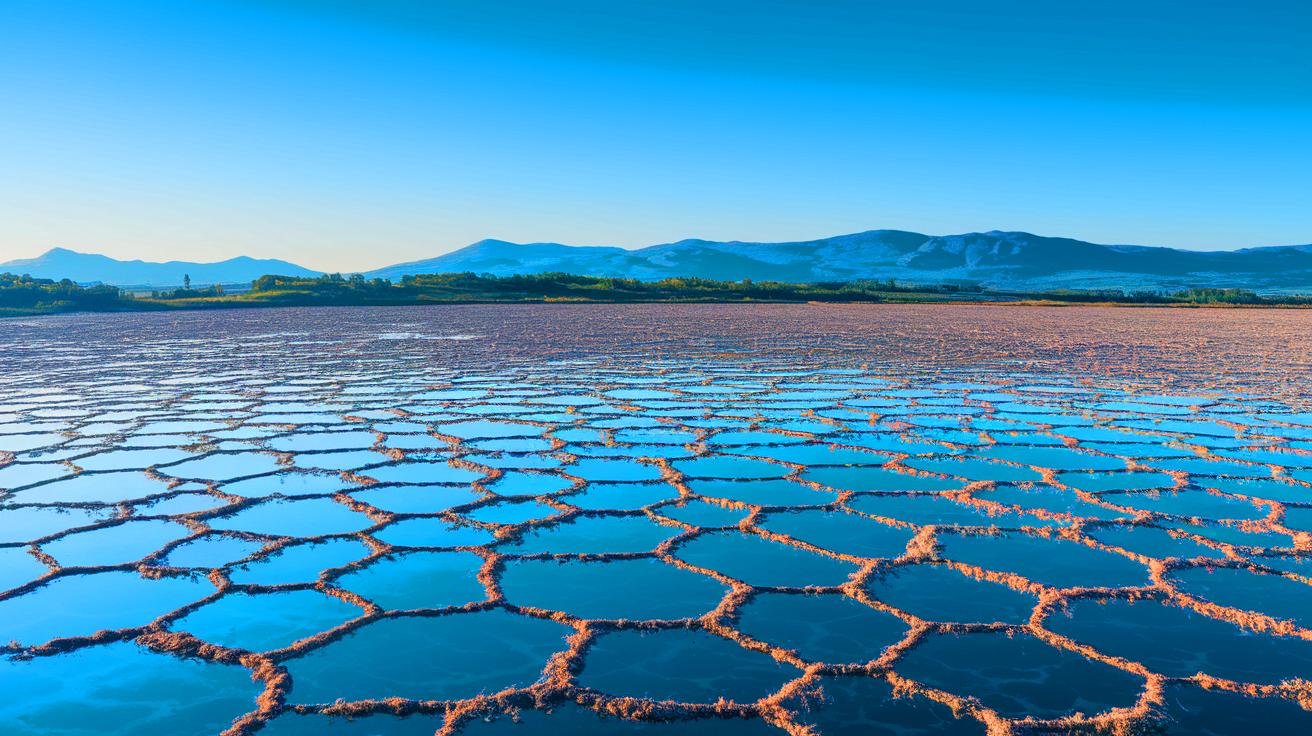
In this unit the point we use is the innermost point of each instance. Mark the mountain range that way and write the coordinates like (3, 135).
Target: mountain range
(87, 268)
(999, 260)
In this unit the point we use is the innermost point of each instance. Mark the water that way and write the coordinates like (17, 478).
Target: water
(656, 519)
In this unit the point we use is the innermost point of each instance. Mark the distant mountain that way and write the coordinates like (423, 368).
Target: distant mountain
(1000, 260)
(85, 268)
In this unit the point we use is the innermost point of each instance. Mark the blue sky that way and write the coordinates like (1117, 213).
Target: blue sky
(349, 135)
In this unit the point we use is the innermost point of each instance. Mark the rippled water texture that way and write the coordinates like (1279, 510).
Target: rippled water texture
(656, 519)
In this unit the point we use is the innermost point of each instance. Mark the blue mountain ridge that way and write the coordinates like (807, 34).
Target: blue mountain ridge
(1002, 260)
(996, 259)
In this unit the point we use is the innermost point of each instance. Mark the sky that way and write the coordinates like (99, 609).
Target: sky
(348, 135)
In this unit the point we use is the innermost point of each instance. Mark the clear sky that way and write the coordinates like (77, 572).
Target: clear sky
(345, 134)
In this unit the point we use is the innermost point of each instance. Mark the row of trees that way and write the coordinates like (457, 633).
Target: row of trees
(25, 293)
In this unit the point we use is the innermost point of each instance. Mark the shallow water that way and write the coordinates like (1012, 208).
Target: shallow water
(893, 520)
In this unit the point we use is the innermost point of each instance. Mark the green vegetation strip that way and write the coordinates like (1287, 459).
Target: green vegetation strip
(24, 295)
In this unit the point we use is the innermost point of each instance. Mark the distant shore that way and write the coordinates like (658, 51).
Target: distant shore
(25, 296)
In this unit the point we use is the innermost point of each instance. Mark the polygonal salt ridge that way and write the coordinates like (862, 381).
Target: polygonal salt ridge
(760, 413)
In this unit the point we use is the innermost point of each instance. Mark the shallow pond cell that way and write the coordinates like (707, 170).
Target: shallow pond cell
(428, 658)
(1192, 503)
(211, 552)
(1177, 642)
(531, 444)
(760, 439)
(102, 488)
(300, 563)
(1230, 534)
(348, 460)
(593, 535)
(320, 441)
(1197, 427)
(1151, 541)
(827, 628)
(1019, 675)
(29, 523)
(761, 562)
(1272, 457)
(668, 452)
(924, 509)
(519, 483)
(1271, 490)
(433, 533)
(1299, 518)
(728, 467)
(1194, 711)
(1058, 563)
(1299, 565)
(973, 468)
(17, 475)
(815, 455)
(620, 496)
(417, 499)
(482, 429)
(508, 461)
(1056, 458)
(418, 580)
(114, 545)
(177, 504)
(868, 706)
(1003, 435)
(1276, 596)
(400, 427)
(180, 426)
(287, 484)
(579, 434)
(131, 459)
(17, 567)
(1201, 466)
(1049, 498)
(309, 517)
(936, 592)
(596, 469)
(703, 514)
(889, 442)
(121, 689)
(1133, 480)
(511, 512)
(568, 718)
(637, 589)
(223, 466)
(80, 605)
(776, 492)
(841, 532)
(25, 442)
(1140, 451)
(680, 664)
(878, 479)
(262, 622)
(421, 473)
(381, 724)
(646, 436)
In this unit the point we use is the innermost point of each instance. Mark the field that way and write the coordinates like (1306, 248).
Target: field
(655, 518)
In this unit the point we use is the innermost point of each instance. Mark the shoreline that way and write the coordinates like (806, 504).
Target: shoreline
(149, 306)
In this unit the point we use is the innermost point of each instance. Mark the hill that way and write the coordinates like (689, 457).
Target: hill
(996, 260)
(90, 268)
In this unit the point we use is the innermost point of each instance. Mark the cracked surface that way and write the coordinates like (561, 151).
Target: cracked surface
(656, 518)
